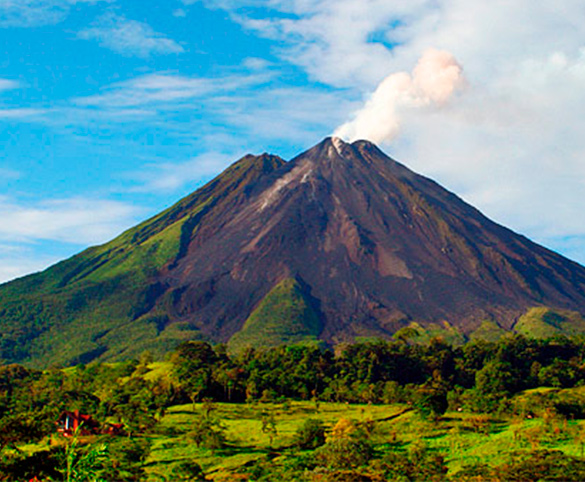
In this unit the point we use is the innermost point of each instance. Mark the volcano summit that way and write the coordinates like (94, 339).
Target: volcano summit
(338, 243)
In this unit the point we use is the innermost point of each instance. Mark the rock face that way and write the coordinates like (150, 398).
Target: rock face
(375, 245)
(362, 245)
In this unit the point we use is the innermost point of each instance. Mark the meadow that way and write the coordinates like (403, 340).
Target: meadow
(512, 410)
(463, 439)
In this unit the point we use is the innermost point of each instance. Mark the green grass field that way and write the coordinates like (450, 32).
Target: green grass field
(463, 438)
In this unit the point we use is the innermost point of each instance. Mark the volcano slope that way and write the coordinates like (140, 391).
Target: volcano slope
(340, 242)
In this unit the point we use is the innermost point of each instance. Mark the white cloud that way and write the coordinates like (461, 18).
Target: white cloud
(243, 109)
(19, 112)
(296, 114)
(243, 119)
(255, 63)
(77, 220)
(513, 142)
(67, 224)
(18, 261)
(22, 113)
(6, 84)
(35, 13)
(435, 79)
(515, 150)
(338, 42)
(130, 37)
(161, 88)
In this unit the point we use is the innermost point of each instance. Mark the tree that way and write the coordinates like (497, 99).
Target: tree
(269, 426)
(430, 400)
(193, 364)
(419, 464)
(542, 465)
(496, 377)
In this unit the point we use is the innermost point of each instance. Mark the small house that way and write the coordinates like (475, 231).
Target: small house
(70, 422)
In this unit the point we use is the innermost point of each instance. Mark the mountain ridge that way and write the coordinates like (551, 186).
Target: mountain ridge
(377, 246)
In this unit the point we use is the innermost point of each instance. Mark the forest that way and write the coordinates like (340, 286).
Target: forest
(370, 411)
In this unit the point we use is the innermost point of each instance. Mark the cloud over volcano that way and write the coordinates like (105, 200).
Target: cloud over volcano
(433, 82)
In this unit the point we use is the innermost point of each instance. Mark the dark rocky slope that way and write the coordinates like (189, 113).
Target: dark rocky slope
(375, 245)
(365, 246)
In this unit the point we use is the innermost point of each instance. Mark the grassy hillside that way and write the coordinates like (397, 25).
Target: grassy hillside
(544, 322)
(538, 322)
(416, 333)
(247, 441)
(464, 440)
(488, 331)
(99, 304)
(284, 316)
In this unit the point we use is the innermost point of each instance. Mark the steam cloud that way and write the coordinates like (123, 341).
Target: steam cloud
(434, 80)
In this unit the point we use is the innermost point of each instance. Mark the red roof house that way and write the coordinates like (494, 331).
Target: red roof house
(69, 422)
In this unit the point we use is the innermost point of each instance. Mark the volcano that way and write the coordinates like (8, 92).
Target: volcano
(339, 243)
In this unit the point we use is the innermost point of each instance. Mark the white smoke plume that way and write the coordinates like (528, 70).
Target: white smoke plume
(433, 82)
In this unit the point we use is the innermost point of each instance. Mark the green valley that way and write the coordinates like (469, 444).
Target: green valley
(373, 411)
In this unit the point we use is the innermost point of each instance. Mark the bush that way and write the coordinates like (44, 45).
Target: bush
(208, 433)
(126, 457)
(323, 475)
(310, 435)
(418, 465)
(188, 470)
(348, 447)
(20, 466)
(543, 466)
(536, 466)
(430, 402)
(571, 409)
(268, 470)
(474, 473)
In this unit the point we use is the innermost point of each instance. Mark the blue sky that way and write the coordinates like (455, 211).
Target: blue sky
(110, 110)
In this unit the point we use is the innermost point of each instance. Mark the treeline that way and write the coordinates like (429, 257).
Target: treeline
(478, 376)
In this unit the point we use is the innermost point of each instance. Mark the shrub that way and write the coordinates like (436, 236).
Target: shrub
(188, 470)
(543, 466)
(310, 435)
(347, 447)
(418, 465)
(475, 473)
(208, 433)
(430, 402)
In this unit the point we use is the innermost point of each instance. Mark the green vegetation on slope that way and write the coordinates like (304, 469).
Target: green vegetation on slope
(102, 302)
(284, 316)
(416, 333)
(488, 331)
(542, 322)
(88, 305)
